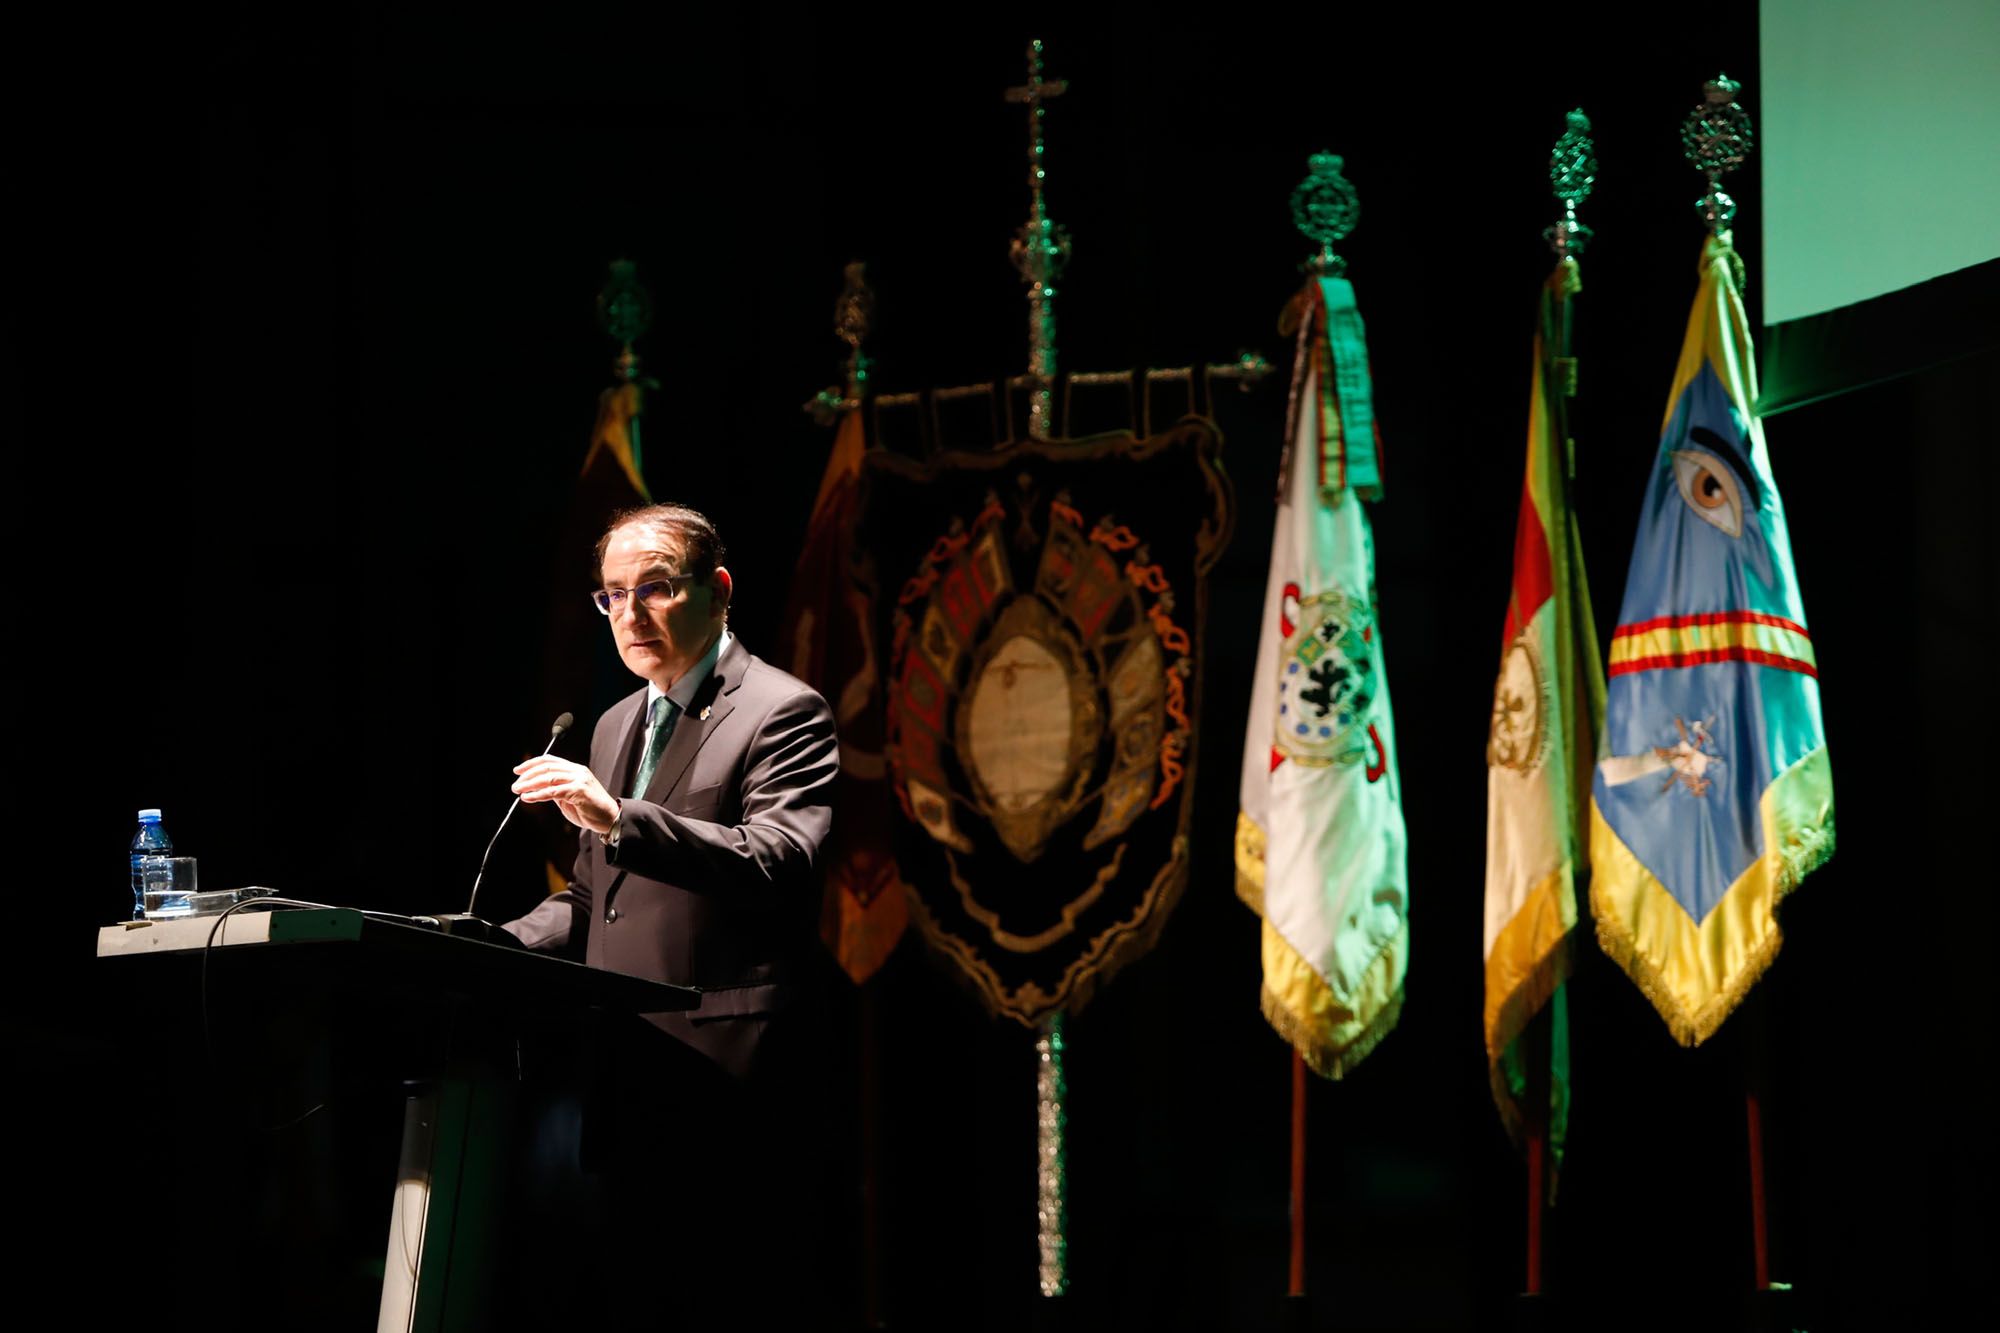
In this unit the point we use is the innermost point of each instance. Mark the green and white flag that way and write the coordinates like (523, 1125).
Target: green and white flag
(1320, 846)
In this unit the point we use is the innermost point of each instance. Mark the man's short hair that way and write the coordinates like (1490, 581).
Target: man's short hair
(701, 545)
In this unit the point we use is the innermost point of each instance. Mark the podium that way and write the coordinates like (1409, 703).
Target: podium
(450, 1014)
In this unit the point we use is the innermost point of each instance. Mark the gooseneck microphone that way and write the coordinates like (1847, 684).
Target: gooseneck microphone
(562, 724)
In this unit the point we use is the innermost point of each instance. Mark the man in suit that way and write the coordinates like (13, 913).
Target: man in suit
(704, 803)
(699, 818)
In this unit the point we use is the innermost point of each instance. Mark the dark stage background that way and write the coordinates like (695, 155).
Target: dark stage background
(304, 365)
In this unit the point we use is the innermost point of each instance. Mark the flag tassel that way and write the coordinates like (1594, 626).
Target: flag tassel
(1516, 1016)
(1619, 938)
(1327, 1059)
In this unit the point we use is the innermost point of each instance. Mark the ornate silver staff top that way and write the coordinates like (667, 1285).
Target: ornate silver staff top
(1572, 173)
(1716, 137)
(1039, 250)
(1325, 209)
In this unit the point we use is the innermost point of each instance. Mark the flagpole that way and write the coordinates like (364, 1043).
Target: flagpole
(1717, 137)
(1039, 250)
(1295, 1290)
(871, 1156)
(1051, 1171)
(853, 312)
(1572, 175)
(1535, 1056)
(1756, 1050)
(1325, 208)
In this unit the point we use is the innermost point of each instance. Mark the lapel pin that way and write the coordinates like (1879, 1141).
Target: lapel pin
(705, 711)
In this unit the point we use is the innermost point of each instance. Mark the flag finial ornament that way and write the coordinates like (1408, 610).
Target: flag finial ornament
(1325, 209)
(852, 314)
(1572, 176)
(1716, 137)
(625, 312)
(1040, 249)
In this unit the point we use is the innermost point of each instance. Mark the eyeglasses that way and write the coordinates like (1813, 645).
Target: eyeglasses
(654, 594)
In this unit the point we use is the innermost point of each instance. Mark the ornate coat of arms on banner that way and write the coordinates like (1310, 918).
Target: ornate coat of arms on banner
(1327, 682)
(1043, 670)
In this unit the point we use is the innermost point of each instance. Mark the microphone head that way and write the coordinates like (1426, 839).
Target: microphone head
(563, 724)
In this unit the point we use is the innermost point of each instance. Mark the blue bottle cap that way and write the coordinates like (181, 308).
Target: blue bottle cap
(149, 816)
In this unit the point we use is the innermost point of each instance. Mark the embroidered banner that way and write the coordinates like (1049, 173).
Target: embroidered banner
(1042, 616)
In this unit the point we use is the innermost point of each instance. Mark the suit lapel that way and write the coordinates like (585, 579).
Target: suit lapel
(624, 757)
(711, 704)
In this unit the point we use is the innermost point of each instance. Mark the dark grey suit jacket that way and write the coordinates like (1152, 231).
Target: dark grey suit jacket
(711, 881)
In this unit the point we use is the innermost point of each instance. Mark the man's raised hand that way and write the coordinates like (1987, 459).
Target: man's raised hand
(574, 788)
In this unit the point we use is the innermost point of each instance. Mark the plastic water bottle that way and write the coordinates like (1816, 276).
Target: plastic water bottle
(148, 844)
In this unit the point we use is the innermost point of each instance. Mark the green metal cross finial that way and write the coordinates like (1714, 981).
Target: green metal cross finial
(1039, 250)
(1572, 174)
(1716, 137)
(1325, 209)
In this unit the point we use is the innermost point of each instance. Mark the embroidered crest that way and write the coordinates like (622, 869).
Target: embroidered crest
(1691, 757)
(1686, 761)
(1327, 678)
(1518, 735)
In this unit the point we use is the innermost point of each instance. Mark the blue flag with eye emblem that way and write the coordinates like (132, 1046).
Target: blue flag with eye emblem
(1712, 798)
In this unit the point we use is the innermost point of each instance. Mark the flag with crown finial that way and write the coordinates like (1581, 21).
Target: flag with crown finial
(1548, 702)
(1713, 797)
(1320, 844)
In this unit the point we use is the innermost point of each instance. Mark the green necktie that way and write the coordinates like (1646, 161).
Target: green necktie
(663, 726)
